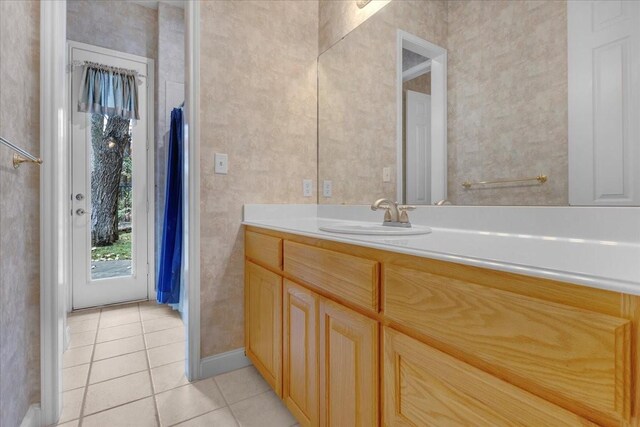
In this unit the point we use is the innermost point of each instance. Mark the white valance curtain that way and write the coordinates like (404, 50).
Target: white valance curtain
(109, 91)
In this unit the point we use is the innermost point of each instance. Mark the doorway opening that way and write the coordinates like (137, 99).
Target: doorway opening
(422, 120)
(112, 198)
(56, 199)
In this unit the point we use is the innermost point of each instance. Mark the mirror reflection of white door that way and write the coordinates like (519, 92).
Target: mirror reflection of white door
(117, 273)
(418, 148)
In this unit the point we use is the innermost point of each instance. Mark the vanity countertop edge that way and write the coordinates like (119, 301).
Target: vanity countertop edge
(576, 261)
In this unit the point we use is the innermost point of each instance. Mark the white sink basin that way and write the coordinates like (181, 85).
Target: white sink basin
(375, 229)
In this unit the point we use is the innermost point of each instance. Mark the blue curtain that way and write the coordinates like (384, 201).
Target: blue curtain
(109, 91)
(170, 262)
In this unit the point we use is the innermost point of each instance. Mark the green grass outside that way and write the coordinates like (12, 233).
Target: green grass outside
(118, 251)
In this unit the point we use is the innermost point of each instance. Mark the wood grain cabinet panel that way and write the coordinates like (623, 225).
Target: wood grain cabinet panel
(263, 249)
(352, 278)
(425, 387)
(348, 367)
(263, 323)
(300, 376)
(574, 357)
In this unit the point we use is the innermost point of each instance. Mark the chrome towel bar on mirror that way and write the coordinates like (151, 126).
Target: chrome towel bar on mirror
(540, 178)
(22, 155)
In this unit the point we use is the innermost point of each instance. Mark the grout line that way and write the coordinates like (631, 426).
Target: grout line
(162, 345)
(118, 377)
(153, 386)
(114, 407)
(208, 412)
(118, 355)
(86, 388)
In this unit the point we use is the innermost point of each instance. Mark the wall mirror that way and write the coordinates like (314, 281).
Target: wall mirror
(483, 103)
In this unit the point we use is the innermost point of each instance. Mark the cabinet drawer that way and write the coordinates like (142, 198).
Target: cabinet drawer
(351, 278)
(574, 357)
(425, 387)
(264, 249)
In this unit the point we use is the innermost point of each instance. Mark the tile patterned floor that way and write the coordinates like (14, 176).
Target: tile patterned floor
(124, 367)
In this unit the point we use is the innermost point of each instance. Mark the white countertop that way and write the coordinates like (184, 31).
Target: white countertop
(604, 264)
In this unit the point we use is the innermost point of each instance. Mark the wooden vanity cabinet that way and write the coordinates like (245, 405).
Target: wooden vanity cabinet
(263, 322)
(423, 386)
(300, 353)
(352, 336)
(349, 367)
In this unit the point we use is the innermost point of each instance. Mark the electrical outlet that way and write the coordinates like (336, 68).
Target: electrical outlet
(327, 188)
(307, 187)
(386, 174)
(221, 162)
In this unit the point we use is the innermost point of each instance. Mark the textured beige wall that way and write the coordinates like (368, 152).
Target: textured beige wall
(339, 17)
(19, 211)
(258, 105)
(357, 100)
(118, 25)
(507, 89)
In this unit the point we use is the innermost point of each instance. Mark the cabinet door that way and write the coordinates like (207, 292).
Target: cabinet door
(300, 355)
(425, 387)
(263, 323)
(348, 367)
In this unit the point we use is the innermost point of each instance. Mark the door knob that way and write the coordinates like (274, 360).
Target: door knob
(79, 196)
(80, 212)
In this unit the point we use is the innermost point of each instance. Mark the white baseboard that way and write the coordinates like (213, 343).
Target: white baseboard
(223, 362)
(32, 418)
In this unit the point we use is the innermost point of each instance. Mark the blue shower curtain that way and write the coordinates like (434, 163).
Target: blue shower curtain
(170, 262)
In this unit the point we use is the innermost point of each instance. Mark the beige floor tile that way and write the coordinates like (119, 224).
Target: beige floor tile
(77, 356)
(241, 384)
(161, 323)
(74, 377)
(168, 336)
(118, 332)
(83, 325)
(263, 410)
(218, 418)
(152, 305)
(71, 404)
(118, 366)
(188, 401)
(141, 413)
(73, 423)
(118, 347)
(82, 315)
(82, 339)
(169, 376)
(116, 392)
(121, 308)
(115, 318)
(166, 354)
(156, 313)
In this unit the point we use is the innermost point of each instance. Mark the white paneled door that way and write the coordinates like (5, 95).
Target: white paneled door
(418, 148)
(604, 102)
(109, 173)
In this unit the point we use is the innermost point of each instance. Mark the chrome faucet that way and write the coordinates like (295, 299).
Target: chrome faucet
(395, 215)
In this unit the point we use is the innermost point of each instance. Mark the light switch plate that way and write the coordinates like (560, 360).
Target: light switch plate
(386, 174)
(307, 187)
(327, 188)
(221, 161)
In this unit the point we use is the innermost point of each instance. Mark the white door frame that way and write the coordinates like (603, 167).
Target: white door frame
(438, 57)
(55, 222)
(150, 82)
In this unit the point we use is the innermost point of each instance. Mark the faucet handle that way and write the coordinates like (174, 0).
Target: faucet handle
(404, 216)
